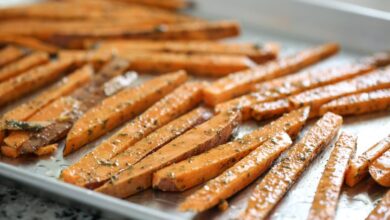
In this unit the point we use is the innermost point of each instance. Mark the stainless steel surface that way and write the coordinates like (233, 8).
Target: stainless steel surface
(355, 203)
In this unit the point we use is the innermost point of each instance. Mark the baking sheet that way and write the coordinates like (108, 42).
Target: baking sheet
(355, 203)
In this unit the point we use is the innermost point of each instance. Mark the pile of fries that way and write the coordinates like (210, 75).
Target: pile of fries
(70, 60)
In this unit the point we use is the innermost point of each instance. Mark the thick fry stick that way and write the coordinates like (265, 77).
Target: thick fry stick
(28, 42)
(200, 168)
(147, 145)
(162, 62)
(380, 169)
(293, 84)
(167, 4)
(271, 109)
(321, 95)
(32, 80)
(381, 211)
(10, 54)
(360, 103)
(30, 61)
(167, 109)
(119, 108)
(328, 190)
(358, 167)
(241, 82)
(238, 176)
(215, 131)
(284, 174)
(258, 53)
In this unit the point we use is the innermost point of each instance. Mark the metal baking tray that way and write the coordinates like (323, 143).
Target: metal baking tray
(40, 175)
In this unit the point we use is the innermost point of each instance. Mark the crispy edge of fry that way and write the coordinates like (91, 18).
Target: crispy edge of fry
(211, 133)
(238, 176)
(380, 169)
(381, 211)
(46, 150)
(282, 176)
(10, 54)
(358, 167)
(328, 190)
(266, 110)
(28, 42)
(202, 167)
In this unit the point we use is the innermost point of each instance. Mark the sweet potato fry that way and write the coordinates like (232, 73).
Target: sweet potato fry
(30, 61)
(241, 82)
(119, 108)
(258, 53)
(147, 145)
(293, 84)
(358, 167)
(198, 169)
(271, 109)
(380, 169)
(318, 96)
(381, 210)
(284, 174)
(238, 176)
(32, 80)
(46, 150)
(88, 95)
(28, 42)
(215, 131)
(54, 111)
(360, 103)
(328, 190)
(62, 88)
(10, 54)
(167, 109)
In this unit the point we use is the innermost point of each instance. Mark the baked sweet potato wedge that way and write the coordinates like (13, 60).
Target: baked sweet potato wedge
(238, 176)
(360, 103)
(316, 97)
(46, 150)
(266, 110)
(147, 145)
(32, 80)
(358, 167)
(284, 174)
(215, 131)
(380, 169)
(119, 108)
(30, 61)
(293, 84)
(328, 190)
(258, 53)
(178, 102)
(240, 83)
(198, 169)
(10, 54)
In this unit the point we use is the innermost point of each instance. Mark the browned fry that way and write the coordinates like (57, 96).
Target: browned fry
(30, 61)
(10, 54)
(258, 53)
(360, 103)
(328, 190)
(241, 83)
(166, 4)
